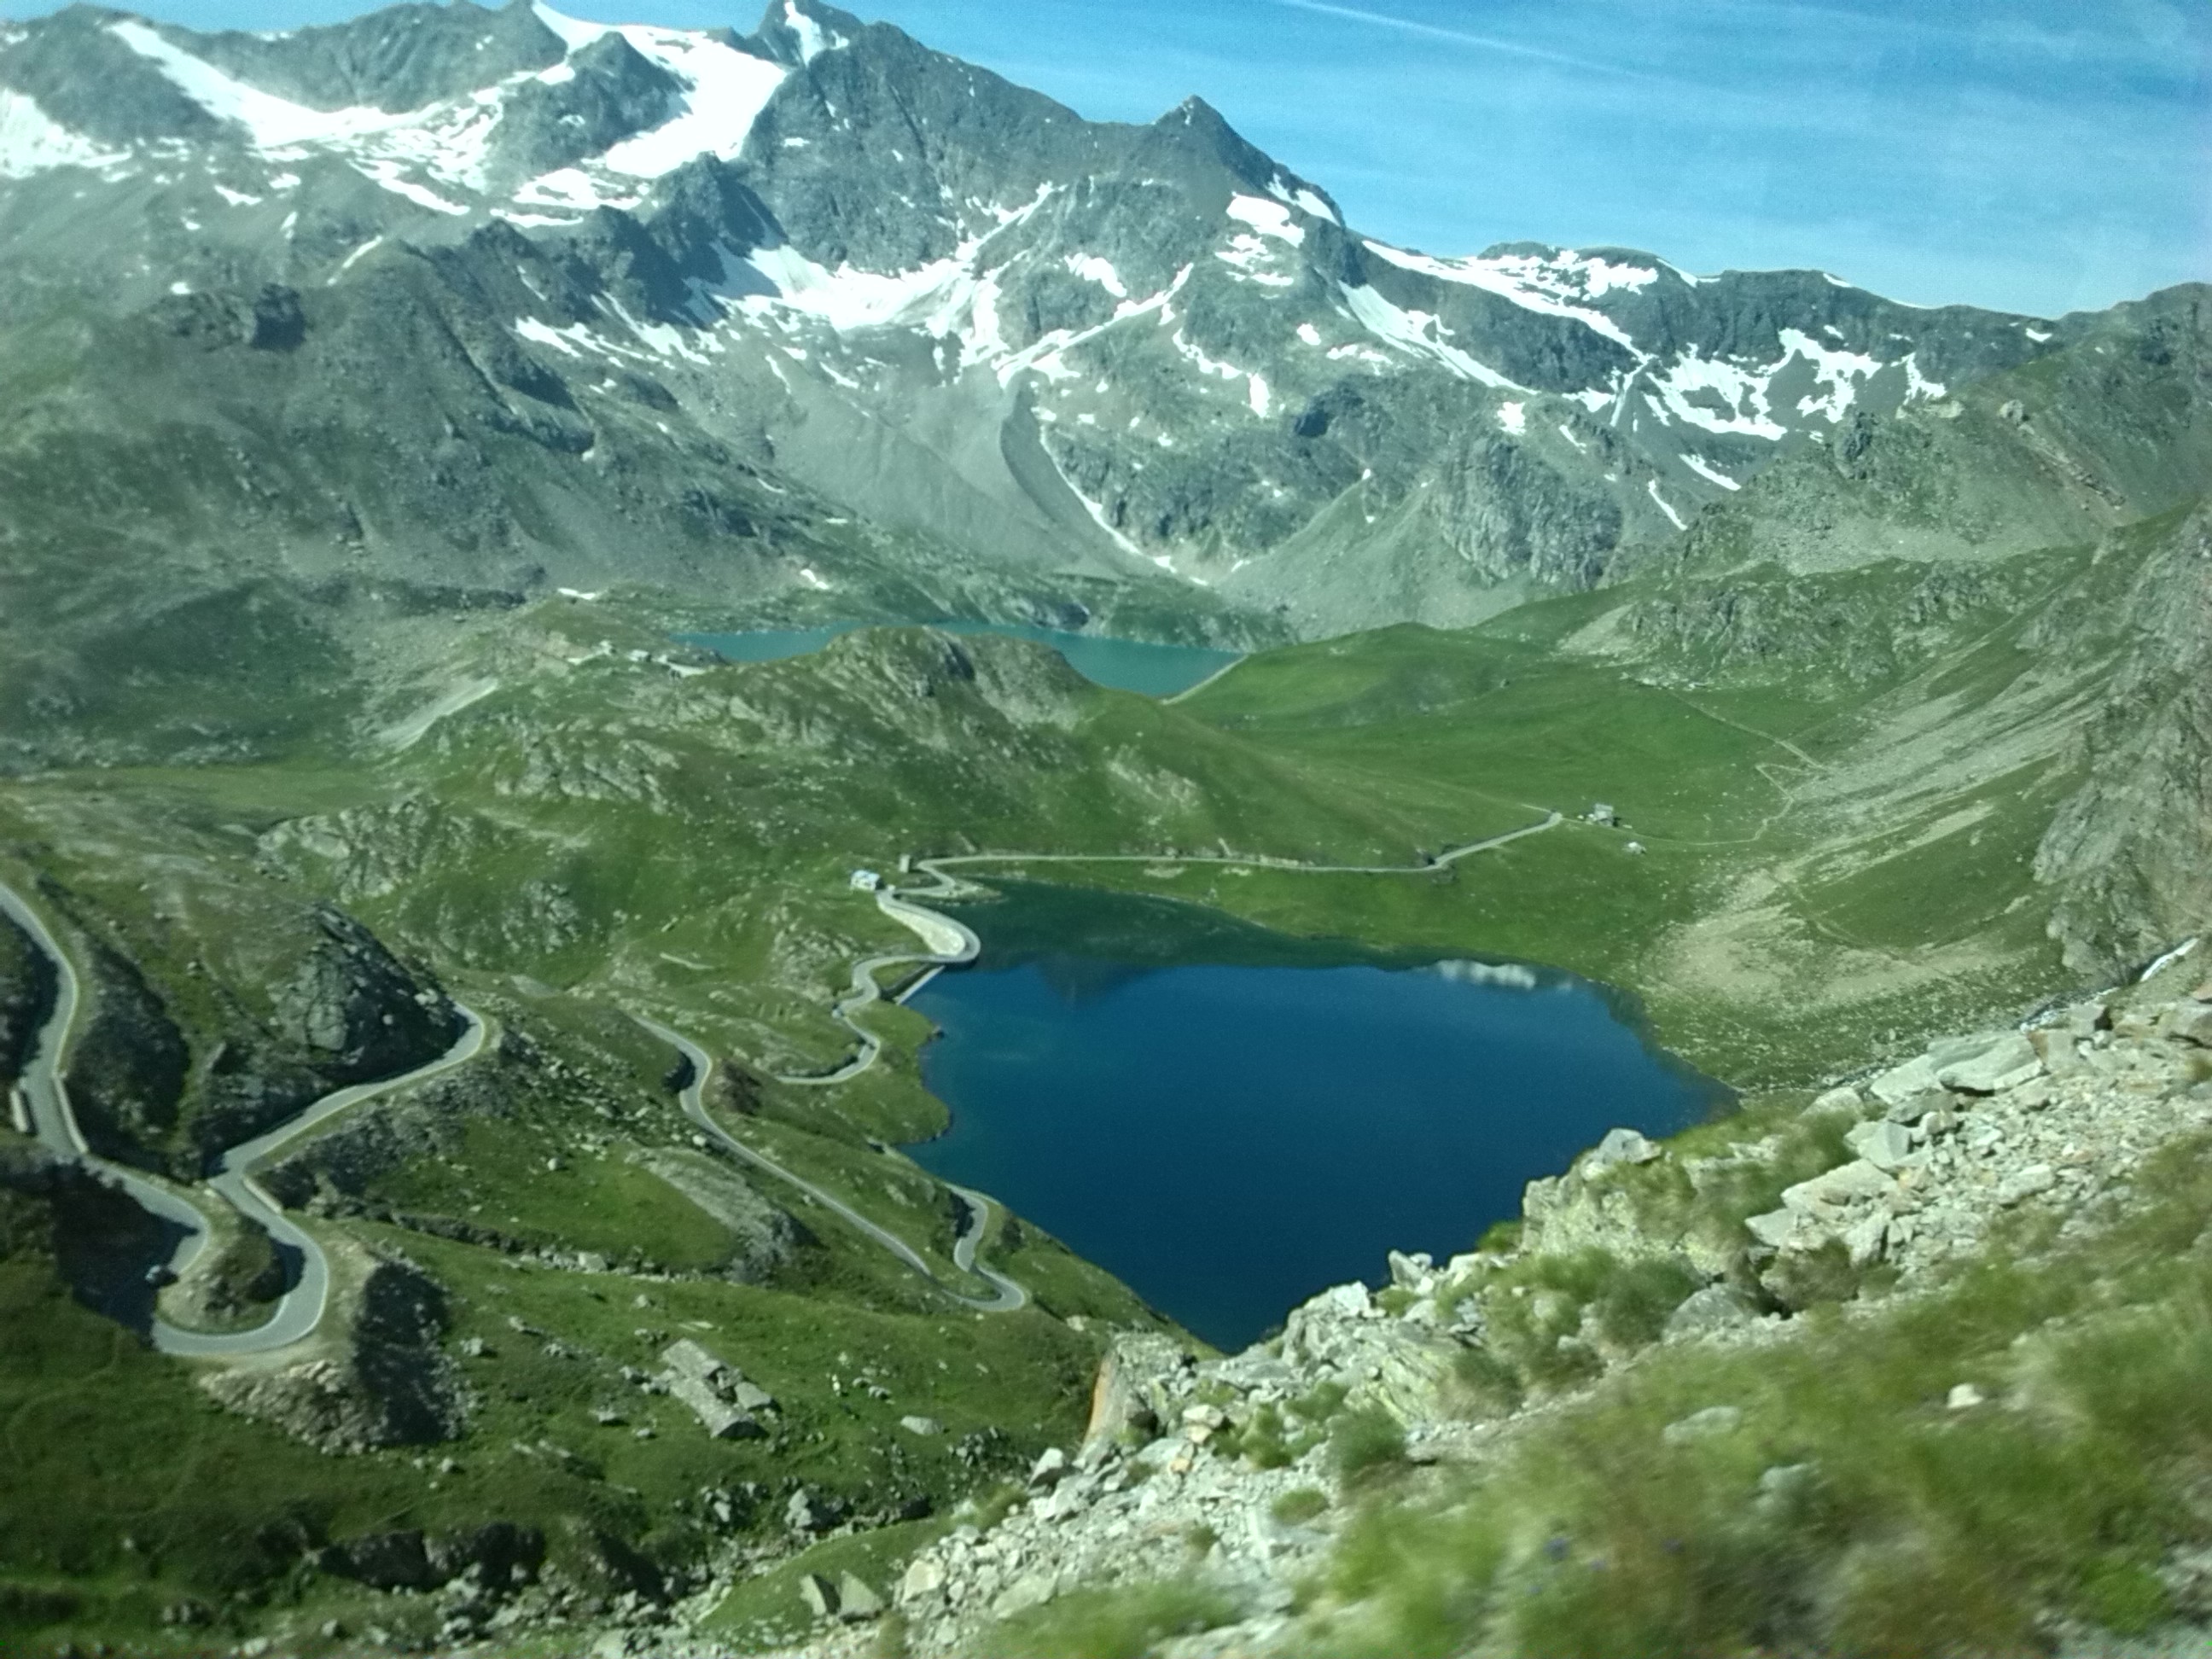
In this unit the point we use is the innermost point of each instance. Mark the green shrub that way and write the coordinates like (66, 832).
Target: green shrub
(1803, 1279)
(1491, 1386)
(1199, 1538)
(1320, 1402)
(1107, 1623)
(1633, 1306)
(2122, 1595)
(1425, 1581)
(1500, 1238)
(1809, 1144)
(1364, 1441)
(1299, 1506)
(1268, 1443)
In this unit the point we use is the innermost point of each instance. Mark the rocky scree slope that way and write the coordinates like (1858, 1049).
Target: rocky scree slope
(508, 299)
(1261, 1486)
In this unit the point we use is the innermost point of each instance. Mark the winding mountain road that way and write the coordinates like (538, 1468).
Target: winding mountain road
(299, 1310)
(952, 943)
(936, 867)
(1007, 1295)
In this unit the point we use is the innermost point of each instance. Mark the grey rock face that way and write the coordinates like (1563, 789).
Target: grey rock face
(2128, 852)
(391, 1386)
(400, 58)
(1620, 1146)
(1985, 1065)
(612, 94)
(856, 1602)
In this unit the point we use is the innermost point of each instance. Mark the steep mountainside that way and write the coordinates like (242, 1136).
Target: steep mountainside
(504, 300)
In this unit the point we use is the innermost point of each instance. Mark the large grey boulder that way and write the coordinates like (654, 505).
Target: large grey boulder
(1776, 1229)
(1986, 1064)
(2191, 1022)
(1902, 1082)
(1848, 1183)
(2026, 1183)
(717, 1391)
(1716, 1307)
(1620, 1146)
(819, 1595)
(924, 1578)
(1886, 1146)
(855, 1600)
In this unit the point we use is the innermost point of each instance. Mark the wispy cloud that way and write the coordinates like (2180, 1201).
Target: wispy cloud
(1468, 37)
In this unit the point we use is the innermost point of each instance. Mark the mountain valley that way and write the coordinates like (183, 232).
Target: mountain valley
(382, 404)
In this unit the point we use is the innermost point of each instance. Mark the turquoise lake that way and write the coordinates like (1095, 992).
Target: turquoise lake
(1231, 1120)
(1158, 671)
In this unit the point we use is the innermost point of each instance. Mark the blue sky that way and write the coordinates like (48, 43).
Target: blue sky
(2032, 154)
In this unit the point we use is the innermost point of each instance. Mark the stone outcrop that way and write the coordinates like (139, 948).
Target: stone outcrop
(725, 1403)
(384, 1381)
(765, 1236)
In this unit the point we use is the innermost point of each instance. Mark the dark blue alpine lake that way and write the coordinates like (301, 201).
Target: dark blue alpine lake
(1229, 1120)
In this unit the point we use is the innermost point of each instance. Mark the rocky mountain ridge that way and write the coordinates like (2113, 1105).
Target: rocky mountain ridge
(549, 301)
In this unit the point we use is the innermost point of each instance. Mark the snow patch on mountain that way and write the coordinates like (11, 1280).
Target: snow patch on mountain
(847, 298)
(271, 123)
(1664, 505)
(1268, 218)
(1206, 365)
(1513, 417)
(1251, 257)
(566, 341)
(1549, 284)
(1919, 387)
(1706, 469)
(1092, 269)
(574, 32)
(1289, 191)
(1420, 334)
(1689, 388)
(729, 88)
(1840, 374)
(32, 142)
(813, 38)
(392, 176)
(575, 189)
(446, 143)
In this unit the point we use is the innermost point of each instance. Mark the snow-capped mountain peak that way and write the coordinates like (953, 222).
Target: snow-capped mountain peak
(947, 302)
